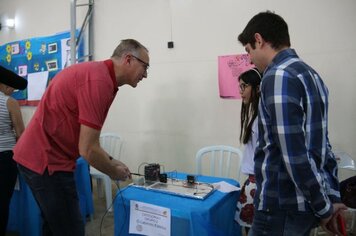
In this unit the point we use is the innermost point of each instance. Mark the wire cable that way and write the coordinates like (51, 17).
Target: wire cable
(143, 163)
(112, 203)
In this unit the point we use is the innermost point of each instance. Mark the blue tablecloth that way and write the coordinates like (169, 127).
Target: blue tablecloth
(25, 215)
(213, 216)
(82, 178)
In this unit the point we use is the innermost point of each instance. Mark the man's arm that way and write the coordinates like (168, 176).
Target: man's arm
(330, 224)
(16, 117)
(89, 149)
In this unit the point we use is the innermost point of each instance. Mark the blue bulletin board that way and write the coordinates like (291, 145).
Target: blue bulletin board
(38, 60)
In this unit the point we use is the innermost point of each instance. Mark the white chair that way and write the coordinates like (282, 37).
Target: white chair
(112, 144)
(344, 162)
(222, 159)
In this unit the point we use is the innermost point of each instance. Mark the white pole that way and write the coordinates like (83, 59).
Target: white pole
(73, 24)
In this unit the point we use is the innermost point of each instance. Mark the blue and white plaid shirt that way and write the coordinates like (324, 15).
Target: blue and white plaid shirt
(294, 166)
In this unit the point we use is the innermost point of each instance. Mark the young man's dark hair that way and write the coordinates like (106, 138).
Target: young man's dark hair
(270, 26)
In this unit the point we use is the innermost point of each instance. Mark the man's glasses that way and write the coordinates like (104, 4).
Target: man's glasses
(145, 64)
(243, 86)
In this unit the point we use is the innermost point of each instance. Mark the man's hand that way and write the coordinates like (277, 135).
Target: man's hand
(330, 224)
(121, 172)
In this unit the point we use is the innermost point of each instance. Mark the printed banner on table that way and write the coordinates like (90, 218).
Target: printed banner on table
(38, 60)
(148, 219)
(230, 68)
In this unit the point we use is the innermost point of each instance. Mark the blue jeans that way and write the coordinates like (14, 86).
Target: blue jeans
(283, 223)
(57, 197)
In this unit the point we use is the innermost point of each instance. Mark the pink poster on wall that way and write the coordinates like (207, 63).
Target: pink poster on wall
(230, 68)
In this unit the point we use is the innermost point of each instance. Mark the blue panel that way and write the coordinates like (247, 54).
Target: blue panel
(38, 54)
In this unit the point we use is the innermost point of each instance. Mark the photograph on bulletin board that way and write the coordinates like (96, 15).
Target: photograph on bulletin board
(38, 60)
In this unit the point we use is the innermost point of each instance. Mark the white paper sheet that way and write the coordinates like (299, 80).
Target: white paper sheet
(36, 85)
(65, 52)
(148, 219)
(225, 187)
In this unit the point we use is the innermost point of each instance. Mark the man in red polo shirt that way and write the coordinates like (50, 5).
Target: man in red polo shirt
(66, 125)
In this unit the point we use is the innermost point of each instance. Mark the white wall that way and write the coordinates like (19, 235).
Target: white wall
(177, 110)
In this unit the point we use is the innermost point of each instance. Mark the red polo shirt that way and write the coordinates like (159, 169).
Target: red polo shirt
(79, 94)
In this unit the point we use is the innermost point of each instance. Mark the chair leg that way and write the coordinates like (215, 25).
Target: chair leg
(99, 186)
(108, 193)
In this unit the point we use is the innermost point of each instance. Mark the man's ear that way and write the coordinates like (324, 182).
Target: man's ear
(259, 40)
(127, 59)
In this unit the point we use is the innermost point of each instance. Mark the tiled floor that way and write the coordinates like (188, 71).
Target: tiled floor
(102, 223)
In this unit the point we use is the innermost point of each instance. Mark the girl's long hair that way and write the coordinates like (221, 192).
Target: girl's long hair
(249, 111)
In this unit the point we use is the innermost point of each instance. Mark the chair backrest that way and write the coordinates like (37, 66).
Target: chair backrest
(344, 160)
(221, 159)
(112, 144)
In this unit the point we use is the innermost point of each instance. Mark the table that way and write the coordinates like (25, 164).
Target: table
(213, 216)
(25, 215)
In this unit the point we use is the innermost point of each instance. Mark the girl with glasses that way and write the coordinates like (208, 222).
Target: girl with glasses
(250, 93)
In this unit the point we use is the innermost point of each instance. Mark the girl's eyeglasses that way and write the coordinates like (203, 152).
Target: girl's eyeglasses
(243, 86)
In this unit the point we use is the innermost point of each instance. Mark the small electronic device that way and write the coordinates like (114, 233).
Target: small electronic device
(152, 172)
(163, 178)
(190, 179)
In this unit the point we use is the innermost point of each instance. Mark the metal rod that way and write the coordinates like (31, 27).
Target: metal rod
(73, 24)
(84, 25)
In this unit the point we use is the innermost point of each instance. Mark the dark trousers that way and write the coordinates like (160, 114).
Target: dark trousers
(58, 200)
(8, 174)
(282, 223)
